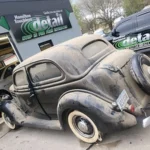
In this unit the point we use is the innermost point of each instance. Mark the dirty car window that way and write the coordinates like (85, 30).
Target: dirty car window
(44, 71)
(94, 48)
(20, 79)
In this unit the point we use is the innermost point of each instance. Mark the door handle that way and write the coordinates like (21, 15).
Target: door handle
(30, 100)
(32, 95)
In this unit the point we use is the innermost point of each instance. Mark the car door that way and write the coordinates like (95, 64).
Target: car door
(24, 93)
(124, 32)
(143, 30)
(45, 77)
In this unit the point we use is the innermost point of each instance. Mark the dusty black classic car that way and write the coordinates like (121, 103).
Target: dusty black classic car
(85, 83)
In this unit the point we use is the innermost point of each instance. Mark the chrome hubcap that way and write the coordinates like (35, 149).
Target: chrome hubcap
(83, 127)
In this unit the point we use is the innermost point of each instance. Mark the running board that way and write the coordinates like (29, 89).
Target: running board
(16, 114)
(41, 123)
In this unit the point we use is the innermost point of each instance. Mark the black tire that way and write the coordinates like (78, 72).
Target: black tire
(139, 66)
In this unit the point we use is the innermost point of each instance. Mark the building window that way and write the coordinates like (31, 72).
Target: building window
(45, 45)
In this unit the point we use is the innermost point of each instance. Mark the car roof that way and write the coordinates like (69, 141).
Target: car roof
(67, 55)
(133, 15)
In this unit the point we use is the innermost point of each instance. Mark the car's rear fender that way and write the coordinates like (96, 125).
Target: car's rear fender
(96, 107)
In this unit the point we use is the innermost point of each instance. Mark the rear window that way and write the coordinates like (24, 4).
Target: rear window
(94, 48)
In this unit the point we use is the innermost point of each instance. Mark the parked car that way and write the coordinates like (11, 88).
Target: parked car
(6, 78)
(6, 81)
(132, 32)
(85, 83)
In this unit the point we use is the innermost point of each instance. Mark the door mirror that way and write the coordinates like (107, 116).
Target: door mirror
(115, 33)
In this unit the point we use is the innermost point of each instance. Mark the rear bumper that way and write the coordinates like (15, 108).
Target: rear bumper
(127, 120)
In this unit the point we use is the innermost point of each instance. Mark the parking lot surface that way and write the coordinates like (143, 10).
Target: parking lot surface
(25, 138)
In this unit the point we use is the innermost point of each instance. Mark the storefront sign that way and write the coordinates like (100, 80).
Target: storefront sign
(33, 25)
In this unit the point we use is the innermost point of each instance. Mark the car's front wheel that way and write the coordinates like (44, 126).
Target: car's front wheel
(84, 127)
(8, 122)
(1, 119)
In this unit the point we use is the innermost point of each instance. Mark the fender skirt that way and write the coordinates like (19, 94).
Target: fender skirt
(100, 110)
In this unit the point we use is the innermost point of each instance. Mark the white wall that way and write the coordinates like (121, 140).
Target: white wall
(31, 47)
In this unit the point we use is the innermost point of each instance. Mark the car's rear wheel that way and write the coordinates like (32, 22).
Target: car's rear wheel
(8, 121)
(84, 127)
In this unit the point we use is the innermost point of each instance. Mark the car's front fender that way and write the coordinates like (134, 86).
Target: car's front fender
(12, 110)
(96, 107)
(4, 108)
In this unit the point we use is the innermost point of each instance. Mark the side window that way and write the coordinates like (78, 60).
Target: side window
(9, 71)
(125, 27)
(143, 20)
(44, 71)
(94, 48)
(20, 78)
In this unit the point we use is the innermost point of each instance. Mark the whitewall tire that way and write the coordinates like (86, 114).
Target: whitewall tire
(83, 127)
(8, 122)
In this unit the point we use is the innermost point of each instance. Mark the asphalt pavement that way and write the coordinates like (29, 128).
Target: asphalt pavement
(25, 138)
